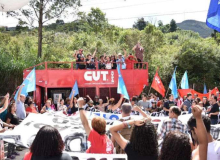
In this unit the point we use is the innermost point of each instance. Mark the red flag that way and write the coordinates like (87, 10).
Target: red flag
(158, 85)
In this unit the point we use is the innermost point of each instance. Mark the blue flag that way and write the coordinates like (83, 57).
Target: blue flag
(204, 90)
(213, 17)
(121, 85)
(75, 88)
(30, 84)
(173, 85)
(184, 81)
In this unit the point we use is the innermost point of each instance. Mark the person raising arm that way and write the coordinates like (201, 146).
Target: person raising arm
(143, 141)
(201, 133)
(94, 53)
(100, 143)
(125, 53)
(6, 98)
(138, 109)
(83, 117)
(89, 97)
(113, 107)
(20, 112)
(72, 107)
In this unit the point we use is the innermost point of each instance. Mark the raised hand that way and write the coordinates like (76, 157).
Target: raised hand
(197, 111)
(7, 96)
(80, 102)
(139, 122)
(136, 108)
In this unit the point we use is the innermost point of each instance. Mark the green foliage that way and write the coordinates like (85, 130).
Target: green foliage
(97, 20)
(140, 24)
(216, 36)
(173, 26)
(163, 49)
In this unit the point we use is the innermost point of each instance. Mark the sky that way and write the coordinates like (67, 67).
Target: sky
(124, 13)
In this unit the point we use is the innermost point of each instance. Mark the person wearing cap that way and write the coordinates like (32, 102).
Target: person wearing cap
(90, 63)
(20, 112)
(121, 59)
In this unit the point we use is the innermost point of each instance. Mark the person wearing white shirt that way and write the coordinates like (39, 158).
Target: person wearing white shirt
(213, 146)
(61, 106)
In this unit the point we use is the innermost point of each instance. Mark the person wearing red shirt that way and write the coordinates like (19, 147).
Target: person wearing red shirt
(100, 143)
(130, 60)
(31, 108)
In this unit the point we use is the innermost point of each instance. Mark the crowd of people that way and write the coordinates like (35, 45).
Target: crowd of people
(138, 138)
(109, 62)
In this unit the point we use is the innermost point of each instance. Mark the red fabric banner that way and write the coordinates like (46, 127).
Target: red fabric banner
(158, 85)
(183, 92)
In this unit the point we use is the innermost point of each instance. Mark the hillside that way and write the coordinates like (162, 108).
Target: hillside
(196, 26)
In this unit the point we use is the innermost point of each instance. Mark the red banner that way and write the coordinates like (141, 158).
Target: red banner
(183, 92)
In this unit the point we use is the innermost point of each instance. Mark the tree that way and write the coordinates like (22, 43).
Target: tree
(160, 23)
(173, 25)
(216, 36)
(59, 22)
(96, 19)
(140, 24)
(42, 11)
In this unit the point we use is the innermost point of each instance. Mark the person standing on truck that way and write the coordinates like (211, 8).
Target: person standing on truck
(121, 59)
(80, 60)
(139, 53)
(90, 61)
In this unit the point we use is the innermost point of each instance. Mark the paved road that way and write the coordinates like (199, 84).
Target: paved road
(21, 156)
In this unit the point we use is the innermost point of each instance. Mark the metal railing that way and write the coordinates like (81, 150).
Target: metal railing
(73, 66)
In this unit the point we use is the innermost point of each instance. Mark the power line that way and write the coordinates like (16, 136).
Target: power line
(102, 3)
(153, 15)
(140, 4)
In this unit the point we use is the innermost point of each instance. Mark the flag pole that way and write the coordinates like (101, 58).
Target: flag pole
(167, 91)
(179, 86)
(153, 80)
(149, 90)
